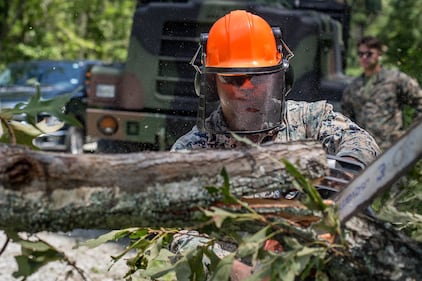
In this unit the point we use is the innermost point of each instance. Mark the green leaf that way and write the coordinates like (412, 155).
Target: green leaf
(110, 236)
(34, 256)
(219, 215)
(225, 189)
(210, 253)
(253, 243)
(53, 106)
(25, 268)
(197, 261)
(212, 190)
(160, 265)
(306, 251)
(6, 113)
(315, 201)
(26, 129)
(34, 246)
(224, 268)
(48, 128)
(183, 270)
(24, 134)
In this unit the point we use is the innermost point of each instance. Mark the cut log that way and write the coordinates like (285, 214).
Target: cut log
(51, 191)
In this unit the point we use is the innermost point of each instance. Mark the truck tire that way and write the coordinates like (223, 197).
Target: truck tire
(75, 140)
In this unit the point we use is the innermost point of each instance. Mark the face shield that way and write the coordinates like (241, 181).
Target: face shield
(241, 75)
(251, 103)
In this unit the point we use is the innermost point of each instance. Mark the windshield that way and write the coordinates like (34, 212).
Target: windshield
(57, 74)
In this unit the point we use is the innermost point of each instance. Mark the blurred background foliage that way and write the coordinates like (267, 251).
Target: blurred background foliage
(95, 29)
(397, 23)
(59, 29)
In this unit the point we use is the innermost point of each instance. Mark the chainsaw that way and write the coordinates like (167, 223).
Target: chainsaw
(395, 162)
(351, 185)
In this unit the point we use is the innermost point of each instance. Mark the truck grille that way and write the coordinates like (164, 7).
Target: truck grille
(179, 42)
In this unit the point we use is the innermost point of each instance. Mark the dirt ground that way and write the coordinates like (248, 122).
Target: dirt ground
(94, 262)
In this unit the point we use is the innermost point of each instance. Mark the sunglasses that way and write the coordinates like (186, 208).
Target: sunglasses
(239, 80)
(365, 54)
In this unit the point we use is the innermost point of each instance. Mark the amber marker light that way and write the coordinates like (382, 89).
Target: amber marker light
(107, 125)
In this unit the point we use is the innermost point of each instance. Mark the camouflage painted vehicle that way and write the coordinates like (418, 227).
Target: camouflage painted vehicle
(150, 101)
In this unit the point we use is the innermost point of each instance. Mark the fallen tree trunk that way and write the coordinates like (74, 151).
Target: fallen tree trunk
(49, 191)
(45, 191)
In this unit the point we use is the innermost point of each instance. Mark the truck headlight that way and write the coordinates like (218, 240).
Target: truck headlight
(107, 125)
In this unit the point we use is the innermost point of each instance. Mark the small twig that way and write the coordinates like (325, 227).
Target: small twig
(9, 131)
(4, 245)
(66, 259)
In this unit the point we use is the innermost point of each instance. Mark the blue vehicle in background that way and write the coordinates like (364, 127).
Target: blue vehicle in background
(55, 78)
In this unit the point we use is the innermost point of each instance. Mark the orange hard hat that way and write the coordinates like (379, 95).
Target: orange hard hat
(242, 40)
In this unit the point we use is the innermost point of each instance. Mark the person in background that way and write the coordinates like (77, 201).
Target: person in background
(241, 81)
(376, 100)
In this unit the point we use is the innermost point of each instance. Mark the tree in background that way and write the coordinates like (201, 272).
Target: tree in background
(41, 29)
(80, 29)
(403, 36)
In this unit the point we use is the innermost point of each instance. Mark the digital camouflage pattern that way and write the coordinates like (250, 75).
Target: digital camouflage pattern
(376, 103)
(303, 121)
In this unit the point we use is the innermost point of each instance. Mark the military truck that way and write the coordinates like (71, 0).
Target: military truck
(150, 101)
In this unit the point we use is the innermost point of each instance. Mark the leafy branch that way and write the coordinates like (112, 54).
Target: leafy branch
(208, 254)
(24, 131)
(35, 253)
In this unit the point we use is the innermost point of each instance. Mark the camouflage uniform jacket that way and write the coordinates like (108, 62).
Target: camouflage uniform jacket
(376, 103)
(313, 121)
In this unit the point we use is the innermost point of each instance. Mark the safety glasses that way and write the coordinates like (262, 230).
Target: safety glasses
(239, 80)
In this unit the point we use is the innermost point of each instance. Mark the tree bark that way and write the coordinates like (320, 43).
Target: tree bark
(377, 251)
(51, 191)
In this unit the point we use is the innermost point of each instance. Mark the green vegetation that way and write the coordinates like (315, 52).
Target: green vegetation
(60, 29)
(396, 23)
(303, 251)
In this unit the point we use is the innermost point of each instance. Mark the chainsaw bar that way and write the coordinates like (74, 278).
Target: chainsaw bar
(380, 174)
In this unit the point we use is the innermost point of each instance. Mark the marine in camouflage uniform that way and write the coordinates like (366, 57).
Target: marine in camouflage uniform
(376, 103)
(375, 100)
(244, 72)
(244, 69)
(303, 121)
